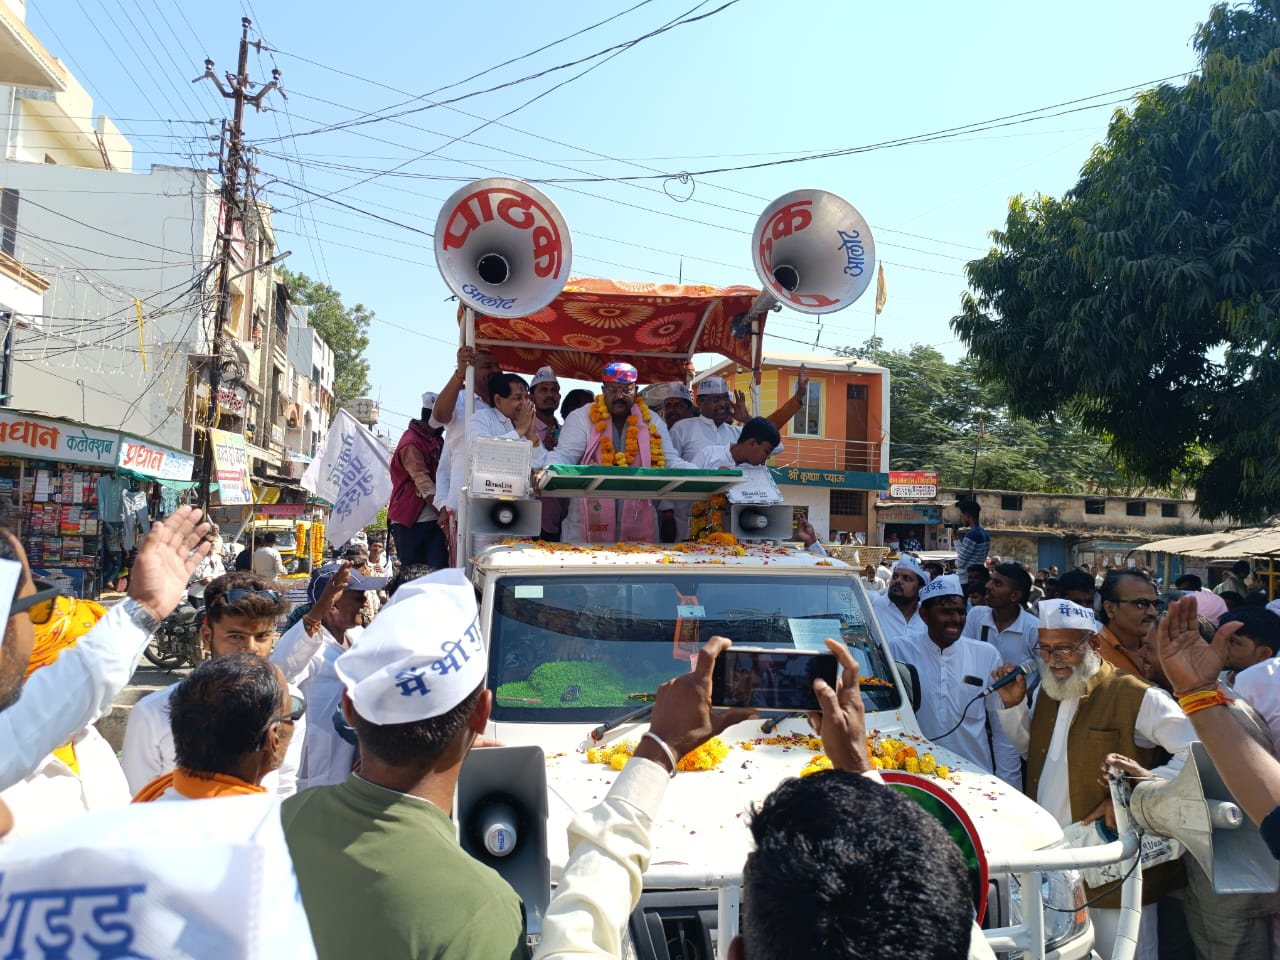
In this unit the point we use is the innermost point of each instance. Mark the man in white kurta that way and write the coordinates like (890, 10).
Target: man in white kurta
(897, 610)
(953, 671)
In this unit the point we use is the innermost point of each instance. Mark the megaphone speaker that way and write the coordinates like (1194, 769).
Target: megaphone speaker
(1196, 809)
(503, 247)
(514, 518)
(754, 522)
(501, 809)
(813, 251)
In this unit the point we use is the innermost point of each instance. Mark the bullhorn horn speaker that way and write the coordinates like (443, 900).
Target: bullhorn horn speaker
(503, 247)
(813, 251)
(1196, 809)
(760, 522)
(501, 808)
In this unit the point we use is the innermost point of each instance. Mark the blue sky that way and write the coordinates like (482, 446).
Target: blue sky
(757, 81)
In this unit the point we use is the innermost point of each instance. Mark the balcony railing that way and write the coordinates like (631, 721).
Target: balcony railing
(862, 456)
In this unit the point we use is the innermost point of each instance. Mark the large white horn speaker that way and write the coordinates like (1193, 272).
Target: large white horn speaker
(1196, 809)
(813, 251)
(503, 247)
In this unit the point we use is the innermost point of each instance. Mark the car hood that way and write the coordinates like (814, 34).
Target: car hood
(703, 820)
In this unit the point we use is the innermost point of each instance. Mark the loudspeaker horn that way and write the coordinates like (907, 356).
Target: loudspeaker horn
(1196, 809)
(755, 522)
(501, 809)
(503, 247)
(512, 518)
(813, 251)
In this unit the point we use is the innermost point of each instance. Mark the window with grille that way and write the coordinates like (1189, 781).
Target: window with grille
(1135, 508)
(1097, 507)
(1169, 510)
(848, 503)
(1010, 501)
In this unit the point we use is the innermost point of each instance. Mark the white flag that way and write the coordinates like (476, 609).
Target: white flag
(205, 878)
(354, 474)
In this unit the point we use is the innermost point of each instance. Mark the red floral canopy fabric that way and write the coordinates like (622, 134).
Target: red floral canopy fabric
(656, 327)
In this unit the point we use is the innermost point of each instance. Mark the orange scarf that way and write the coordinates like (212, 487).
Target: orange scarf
(1116, 654)
(196, 787)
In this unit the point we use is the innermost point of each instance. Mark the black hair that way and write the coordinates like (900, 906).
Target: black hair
(1256, 598)
(1076, 580)
(418, 743)
(969, 508)
(501, 384)
(1111, 582)
(758, 428)
(934, 568)
(220, 712)
(575, 398)
(1241, 568)
(270, 540)
(1231, 599)
(1188, 581)
(1257, 623)
(1018, 577)
(832, 877)
(251, 608)
(407, 572)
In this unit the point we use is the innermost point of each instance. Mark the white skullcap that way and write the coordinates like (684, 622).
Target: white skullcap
(712, 386)
(947, 586)
(421, 656)
(678, 391)
(544, 375)
(912, 565)
(1065, 615)
(429, 400)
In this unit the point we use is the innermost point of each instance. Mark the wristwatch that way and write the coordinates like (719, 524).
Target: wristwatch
(141, 616)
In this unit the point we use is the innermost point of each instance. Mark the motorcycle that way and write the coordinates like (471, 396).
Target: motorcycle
(178, 639)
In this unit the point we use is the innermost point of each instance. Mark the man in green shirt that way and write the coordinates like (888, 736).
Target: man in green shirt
(379, 866)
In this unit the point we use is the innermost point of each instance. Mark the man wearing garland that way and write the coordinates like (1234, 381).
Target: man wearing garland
(618, 429)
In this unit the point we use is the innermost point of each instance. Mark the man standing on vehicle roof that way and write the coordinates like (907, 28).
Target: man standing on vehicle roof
(617, 429)
(413, 517)
(449, 414)
(544, 389)
(953, 669)
(1084, 710)
(896, 610)
(677, 405)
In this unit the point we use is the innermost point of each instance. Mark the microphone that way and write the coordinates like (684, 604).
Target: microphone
(1028, 668)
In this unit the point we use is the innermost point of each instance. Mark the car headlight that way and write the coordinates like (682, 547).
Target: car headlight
(1065, 916)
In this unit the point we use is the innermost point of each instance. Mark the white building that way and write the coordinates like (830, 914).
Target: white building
(311, 389)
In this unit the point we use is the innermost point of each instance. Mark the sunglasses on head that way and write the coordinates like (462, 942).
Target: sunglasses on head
(235, 596)
(39, 605)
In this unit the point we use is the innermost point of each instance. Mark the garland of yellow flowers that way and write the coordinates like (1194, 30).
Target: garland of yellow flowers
(610, 457)
(707, 519)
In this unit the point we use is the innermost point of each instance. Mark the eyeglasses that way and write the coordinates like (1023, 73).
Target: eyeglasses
(235, 596)
(618, 387)
(39, 605)
(1142, 603)
(1060, 653)
(298, 708)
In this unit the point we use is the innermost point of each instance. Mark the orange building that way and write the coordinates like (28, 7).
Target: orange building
(835, 451)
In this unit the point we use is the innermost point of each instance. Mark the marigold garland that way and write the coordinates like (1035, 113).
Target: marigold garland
(707, 517)
(705, 757)
(631, 440)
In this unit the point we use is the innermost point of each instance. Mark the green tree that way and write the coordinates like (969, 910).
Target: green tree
(1144, 302)
(345, 329)
(942, 413)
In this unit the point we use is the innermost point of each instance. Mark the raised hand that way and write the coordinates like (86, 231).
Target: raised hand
(167, 557)
(842, 724)
(1188, 661)
(682, 714)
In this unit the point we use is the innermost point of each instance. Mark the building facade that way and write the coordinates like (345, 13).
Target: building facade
(835, 451)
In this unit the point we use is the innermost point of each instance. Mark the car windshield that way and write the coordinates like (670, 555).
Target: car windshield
(595, 647)
(286, 539)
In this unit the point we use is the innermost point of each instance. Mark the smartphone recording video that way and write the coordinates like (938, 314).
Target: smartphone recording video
(771, 681)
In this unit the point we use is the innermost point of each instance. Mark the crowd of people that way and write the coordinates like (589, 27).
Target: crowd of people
(357, 719)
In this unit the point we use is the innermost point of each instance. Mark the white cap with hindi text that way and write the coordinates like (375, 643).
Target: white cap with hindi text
(912, 565)
(544, 375)
(429, 400)
(712, 386)
(422, 655)
(1065, 615)
(948, 586)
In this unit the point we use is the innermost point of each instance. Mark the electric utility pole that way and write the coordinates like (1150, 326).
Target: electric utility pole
(233, 210)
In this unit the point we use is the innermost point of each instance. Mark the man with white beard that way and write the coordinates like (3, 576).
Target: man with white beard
(1085, 709)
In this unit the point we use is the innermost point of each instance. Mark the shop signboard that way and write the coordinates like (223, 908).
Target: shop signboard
(152, 460)
(40, 438)
(913, 484)
(910, 513)
(846, 479)
(281, 509)
(231, 462)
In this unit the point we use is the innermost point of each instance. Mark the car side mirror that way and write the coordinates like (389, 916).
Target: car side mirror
(911, 680)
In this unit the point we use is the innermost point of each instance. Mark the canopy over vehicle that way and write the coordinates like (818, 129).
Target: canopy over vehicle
(657, 327)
